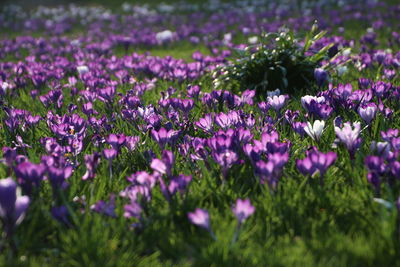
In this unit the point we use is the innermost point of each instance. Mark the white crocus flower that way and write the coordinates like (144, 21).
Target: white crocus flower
(315, 130)
(384, 203)
(82, 69)
(342, 70)
(164, 36)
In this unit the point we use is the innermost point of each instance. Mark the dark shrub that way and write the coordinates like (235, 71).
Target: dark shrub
(278, 61)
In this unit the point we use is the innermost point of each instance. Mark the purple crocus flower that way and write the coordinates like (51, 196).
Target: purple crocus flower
(380, 148)
(57, 176)
(298, 127)
(377, 168)
(61, 214)
(193, 91)
(200, 217)
(54, 97)
(316, 161)
(223, 120)
(307, 100)
(87, 109)
(321, 76)
(105, 208)
(134, 191)
(12, 206)
(395, 169)
(143, 178)
(390, 134)
(29, 174)
(179, 184)
(375, 164)
(343, 92)
(264, 107)
(206, 123)
(34, 94)
(9, 155)
(380, 88)
(116, 140)
(291, 115)
(164, 136)
(20, 143)
(317, 106)
(364, 83)
(186, 105)
(225, 159)
(349, 136)
(271, 171)
(32, 120)
(107, 94)
(247, 97)
(243, 209)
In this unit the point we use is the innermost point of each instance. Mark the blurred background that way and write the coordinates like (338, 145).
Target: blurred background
(108, 3)
(118, 3)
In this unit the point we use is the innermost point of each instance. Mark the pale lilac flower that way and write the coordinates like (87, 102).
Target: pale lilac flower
(131, 142)
(132, 209)
(277, 102)
(200, 218)
(109, 153)
(243, 209)
(91, 162)
(367, 112)
(349, 136)
(164, 166)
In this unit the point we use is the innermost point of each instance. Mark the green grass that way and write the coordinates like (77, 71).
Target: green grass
(298, 224)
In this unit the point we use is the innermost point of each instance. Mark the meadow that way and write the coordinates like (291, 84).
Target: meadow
(192, 133)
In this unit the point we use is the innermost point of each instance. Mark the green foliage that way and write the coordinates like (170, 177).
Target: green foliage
(278, 61)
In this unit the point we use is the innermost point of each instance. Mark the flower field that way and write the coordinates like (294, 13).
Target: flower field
(216, 133)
